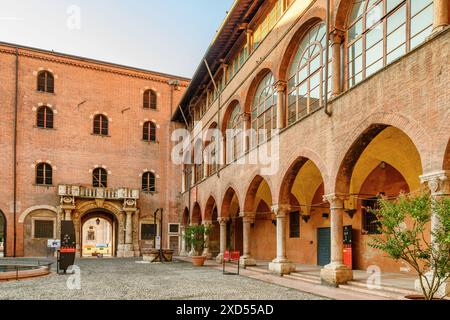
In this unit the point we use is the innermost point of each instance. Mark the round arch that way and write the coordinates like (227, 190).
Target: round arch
(252, 193)
(24, 214)
(227, 202)
(196, 217)
(185, 218)
(210, 206)
(227, 114)
(254, 86)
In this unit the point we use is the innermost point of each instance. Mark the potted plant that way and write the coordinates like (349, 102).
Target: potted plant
(404, 228)
(195, 238)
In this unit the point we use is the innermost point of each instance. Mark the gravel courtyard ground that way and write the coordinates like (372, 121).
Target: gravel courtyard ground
(124, 279)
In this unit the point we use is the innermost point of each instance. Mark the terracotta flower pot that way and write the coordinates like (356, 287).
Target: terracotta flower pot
(198, 261)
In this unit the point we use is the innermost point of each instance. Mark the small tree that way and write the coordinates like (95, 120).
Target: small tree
(195, 237)
(408, 242)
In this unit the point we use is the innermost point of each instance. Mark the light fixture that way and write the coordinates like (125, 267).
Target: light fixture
(325, 215)
(97, 221)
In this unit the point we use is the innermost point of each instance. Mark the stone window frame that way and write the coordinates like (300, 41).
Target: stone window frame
(157, 96)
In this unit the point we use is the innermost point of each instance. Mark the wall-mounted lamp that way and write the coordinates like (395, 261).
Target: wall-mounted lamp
(97, 221)
(274, 222)
(306, 218)
(325, 215)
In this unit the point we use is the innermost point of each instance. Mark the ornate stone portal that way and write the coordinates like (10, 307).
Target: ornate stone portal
(77, 202)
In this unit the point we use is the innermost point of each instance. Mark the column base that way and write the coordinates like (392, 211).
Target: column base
(125, 251)
(207, 255)
(335, 274)
(247, 261)
(443, 290)
(219, 258)
(281, 266)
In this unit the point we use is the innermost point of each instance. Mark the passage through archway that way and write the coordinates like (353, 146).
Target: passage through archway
(99, 234)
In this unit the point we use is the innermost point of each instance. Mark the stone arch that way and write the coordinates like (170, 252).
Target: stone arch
(227, 114)
(263, 71)
(227, 199)
(289, 51)
(35, 208)
(252, 193)
(340, 13)
(196, 217)
(209, 208)
(360, 138)
(296, 162)
(285, 196)
(90, 206)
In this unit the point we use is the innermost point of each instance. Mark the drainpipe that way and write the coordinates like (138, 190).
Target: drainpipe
(16, 104)
(219, 149)
(327, 46)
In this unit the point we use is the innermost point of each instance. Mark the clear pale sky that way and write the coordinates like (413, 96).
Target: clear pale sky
(169, 36)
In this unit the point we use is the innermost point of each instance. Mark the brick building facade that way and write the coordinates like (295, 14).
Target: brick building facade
(378, 126)
(90, 141)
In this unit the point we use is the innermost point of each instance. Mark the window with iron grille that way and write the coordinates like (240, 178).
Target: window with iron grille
(174, 228)
(150, 100)
(43, 229)
(100, 178)
(45, 118)
(149, 133)
(101, 125)
(148, 231)
(91, 235)
(44, 174)
(370, 221)
(148, 182)
(46, 82)
(294, 225)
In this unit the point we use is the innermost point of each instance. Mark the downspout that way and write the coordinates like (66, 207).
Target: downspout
(16, 104)
(219, 149)
(327, 57)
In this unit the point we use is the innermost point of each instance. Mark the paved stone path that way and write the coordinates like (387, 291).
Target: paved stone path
(124, 279)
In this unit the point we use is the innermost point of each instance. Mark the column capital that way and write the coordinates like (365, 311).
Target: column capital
(207, 222)
(248, 216)
(280, 85)
(336, 200)
(223, 220)
(337, 36)
(281, 210)
(245, 116)
(437, 181)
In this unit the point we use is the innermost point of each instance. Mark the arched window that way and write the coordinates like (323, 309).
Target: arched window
(211, 150)
(381, 31)
(100, 178)
(44, 174)
(101, 125)
(46, 82)
(306, 83)
(45, 117)
(264, 116)
(235, 145)
(149, 133)
(198, 161)
(148, 182)
(150, 100)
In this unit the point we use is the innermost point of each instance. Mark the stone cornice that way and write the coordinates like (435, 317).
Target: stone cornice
(94, 65)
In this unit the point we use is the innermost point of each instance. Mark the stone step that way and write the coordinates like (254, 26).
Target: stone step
(303, 279)
(374, 292)
(395, 290)
(305, 276)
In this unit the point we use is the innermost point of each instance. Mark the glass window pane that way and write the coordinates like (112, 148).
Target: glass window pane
(422, 21)
(374, 15)
(396, 38)
(374, 67)
(358, 10)
(315, 64)
(421, 37)
(355, 66)
(418, 5)
(356, 30)
(374, 53)
(355, 50)
(396, 19)
(391, 4)
(374, 36)
(315, 81)
(396, 54)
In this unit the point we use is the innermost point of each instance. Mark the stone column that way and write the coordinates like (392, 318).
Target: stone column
(280, 88)
(281, 265)
(223, 238)
(248, 219)
(440, 16)
(336, 40)
(206, 253)
(192, 252)
(336, 272)
(126, 250)
(439, 184)
(183, 252)
(249, 33)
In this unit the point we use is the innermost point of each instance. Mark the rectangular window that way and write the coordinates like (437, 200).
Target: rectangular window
(43, 229)
(174, 228)
(294, 225)
(371, 224)
(148, 231)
